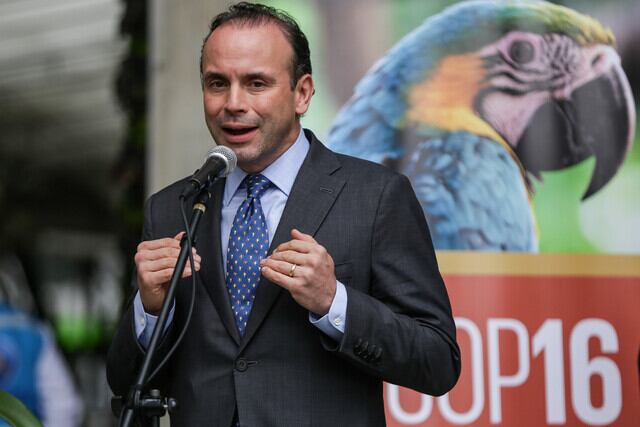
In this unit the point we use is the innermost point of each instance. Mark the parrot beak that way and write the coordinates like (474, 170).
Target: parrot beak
(598, 119)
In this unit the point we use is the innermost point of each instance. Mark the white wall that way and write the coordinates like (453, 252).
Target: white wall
(178, 137)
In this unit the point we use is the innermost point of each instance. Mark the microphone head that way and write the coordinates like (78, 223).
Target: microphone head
(227, 155)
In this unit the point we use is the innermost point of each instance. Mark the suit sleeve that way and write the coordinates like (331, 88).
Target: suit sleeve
(402, 331)
(125, 353)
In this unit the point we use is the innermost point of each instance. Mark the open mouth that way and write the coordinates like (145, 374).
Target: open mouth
(236, 131)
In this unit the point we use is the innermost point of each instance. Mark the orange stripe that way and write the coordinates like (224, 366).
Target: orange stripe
(524, 264)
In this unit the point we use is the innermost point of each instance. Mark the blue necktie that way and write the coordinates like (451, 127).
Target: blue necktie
(248, 244)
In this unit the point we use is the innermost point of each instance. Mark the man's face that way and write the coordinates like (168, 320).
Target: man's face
(249, 104)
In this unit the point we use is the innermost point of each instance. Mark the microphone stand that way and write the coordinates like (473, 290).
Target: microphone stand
(153, 405)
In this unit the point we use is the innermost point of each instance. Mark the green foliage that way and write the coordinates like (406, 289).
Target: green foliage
(131, 89)
(15, 413)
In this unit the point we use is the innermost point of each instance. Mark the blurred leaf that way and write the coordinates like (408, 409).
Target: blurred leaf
(15, 413)
(557, 201)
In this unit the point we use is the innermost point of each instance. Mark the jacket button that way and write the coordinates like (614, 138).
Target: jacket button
(378, 354)
(241, 365)
(370, 353)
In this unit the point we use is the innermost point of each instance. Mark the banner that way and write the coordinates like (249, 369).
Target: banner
(545, 340)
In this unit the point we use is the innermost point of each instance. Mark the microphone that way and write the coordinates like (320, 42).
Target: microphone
(219, 162)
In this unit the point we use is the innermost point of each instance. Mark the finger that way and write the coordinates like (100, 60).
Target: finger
(187, 271)
(278, 278)
(196, 263)
(156, 254)
(299, 235)
(155, 265)
(292, 257)
(161, 264)
(159, 243)
(159, 277)
(196, 257)
(295, 245)
(154, 278)
(280, 266)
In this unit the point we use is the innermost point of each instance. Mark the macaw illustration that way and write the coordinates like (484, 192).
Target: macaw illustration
(477, 101)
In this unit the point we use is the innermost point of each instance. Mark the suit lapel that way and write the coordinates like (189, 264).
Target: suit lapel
(212, 271)
(312, 195)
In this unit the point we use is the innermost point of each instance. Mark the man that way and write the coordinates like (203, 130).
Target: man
(338, 289)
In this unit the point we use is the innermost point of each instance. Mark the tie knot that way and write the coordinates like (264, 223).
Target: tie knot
(256, 185)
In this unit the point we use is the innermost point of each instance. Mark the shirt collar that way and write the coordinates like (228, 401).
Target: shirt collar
(282, 172)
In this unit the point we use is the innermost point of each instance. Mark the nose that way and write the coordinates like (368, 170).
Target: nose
(236, 100)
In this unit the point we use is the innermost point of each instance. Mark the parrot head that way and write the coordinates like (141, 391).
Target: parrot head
(543, 80)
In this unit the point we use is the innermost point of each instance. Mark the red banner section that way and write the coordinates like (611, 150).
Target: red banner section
(545, 340)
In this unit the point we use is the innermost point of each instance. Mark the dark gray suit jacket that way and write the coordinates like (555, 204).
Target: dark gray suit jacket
(284, 371)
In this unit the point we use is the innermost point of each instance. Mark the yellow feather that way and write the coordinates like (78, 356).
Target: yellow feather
(445, 101)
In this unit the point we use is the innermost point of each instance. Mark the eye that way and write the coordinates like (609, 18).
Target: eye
(257, 84)
(216, 84)
(521, 52)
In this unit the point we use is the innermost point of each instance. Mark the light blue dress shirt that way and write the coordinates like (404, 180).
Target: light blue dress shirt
(282, 173)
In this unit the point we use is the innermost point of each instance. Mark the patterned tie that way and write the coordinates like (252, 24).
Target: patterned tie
(248, 244)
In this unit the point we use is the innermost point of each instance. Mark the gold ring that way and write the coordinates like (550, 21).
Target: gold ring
(293, 268)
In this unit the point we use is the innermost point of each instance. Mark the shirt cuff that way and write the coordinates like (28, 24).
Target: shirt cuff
(333, 323)
(145, 323)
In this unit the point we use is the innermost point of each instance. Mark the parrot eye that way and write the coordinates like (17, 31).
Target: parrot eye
(521, 52)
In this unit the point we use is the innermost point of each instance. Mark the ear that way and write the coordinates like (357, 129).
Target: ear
(303, 93)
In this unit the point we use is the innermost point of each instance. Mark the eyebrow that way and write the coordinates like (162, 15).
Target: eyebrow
(258, 75)
(210, 75)
(213, 75)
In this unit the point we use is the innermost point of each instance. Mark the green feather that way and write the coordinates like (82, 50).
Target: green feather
(468, 26)
(542, 17)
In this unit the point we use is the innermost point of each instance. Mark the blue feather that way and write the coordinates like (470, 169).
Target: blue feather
(470, 188)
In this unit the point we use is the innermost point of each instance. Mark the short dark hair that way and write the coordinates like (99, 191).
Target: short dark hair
(245, 13)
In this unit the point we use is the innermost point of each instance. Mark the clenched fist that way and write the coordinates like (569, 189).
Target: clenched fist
(155, 261)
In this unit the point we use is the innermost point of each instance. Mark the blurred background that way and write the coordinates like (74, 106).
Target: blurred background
(100, 105)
